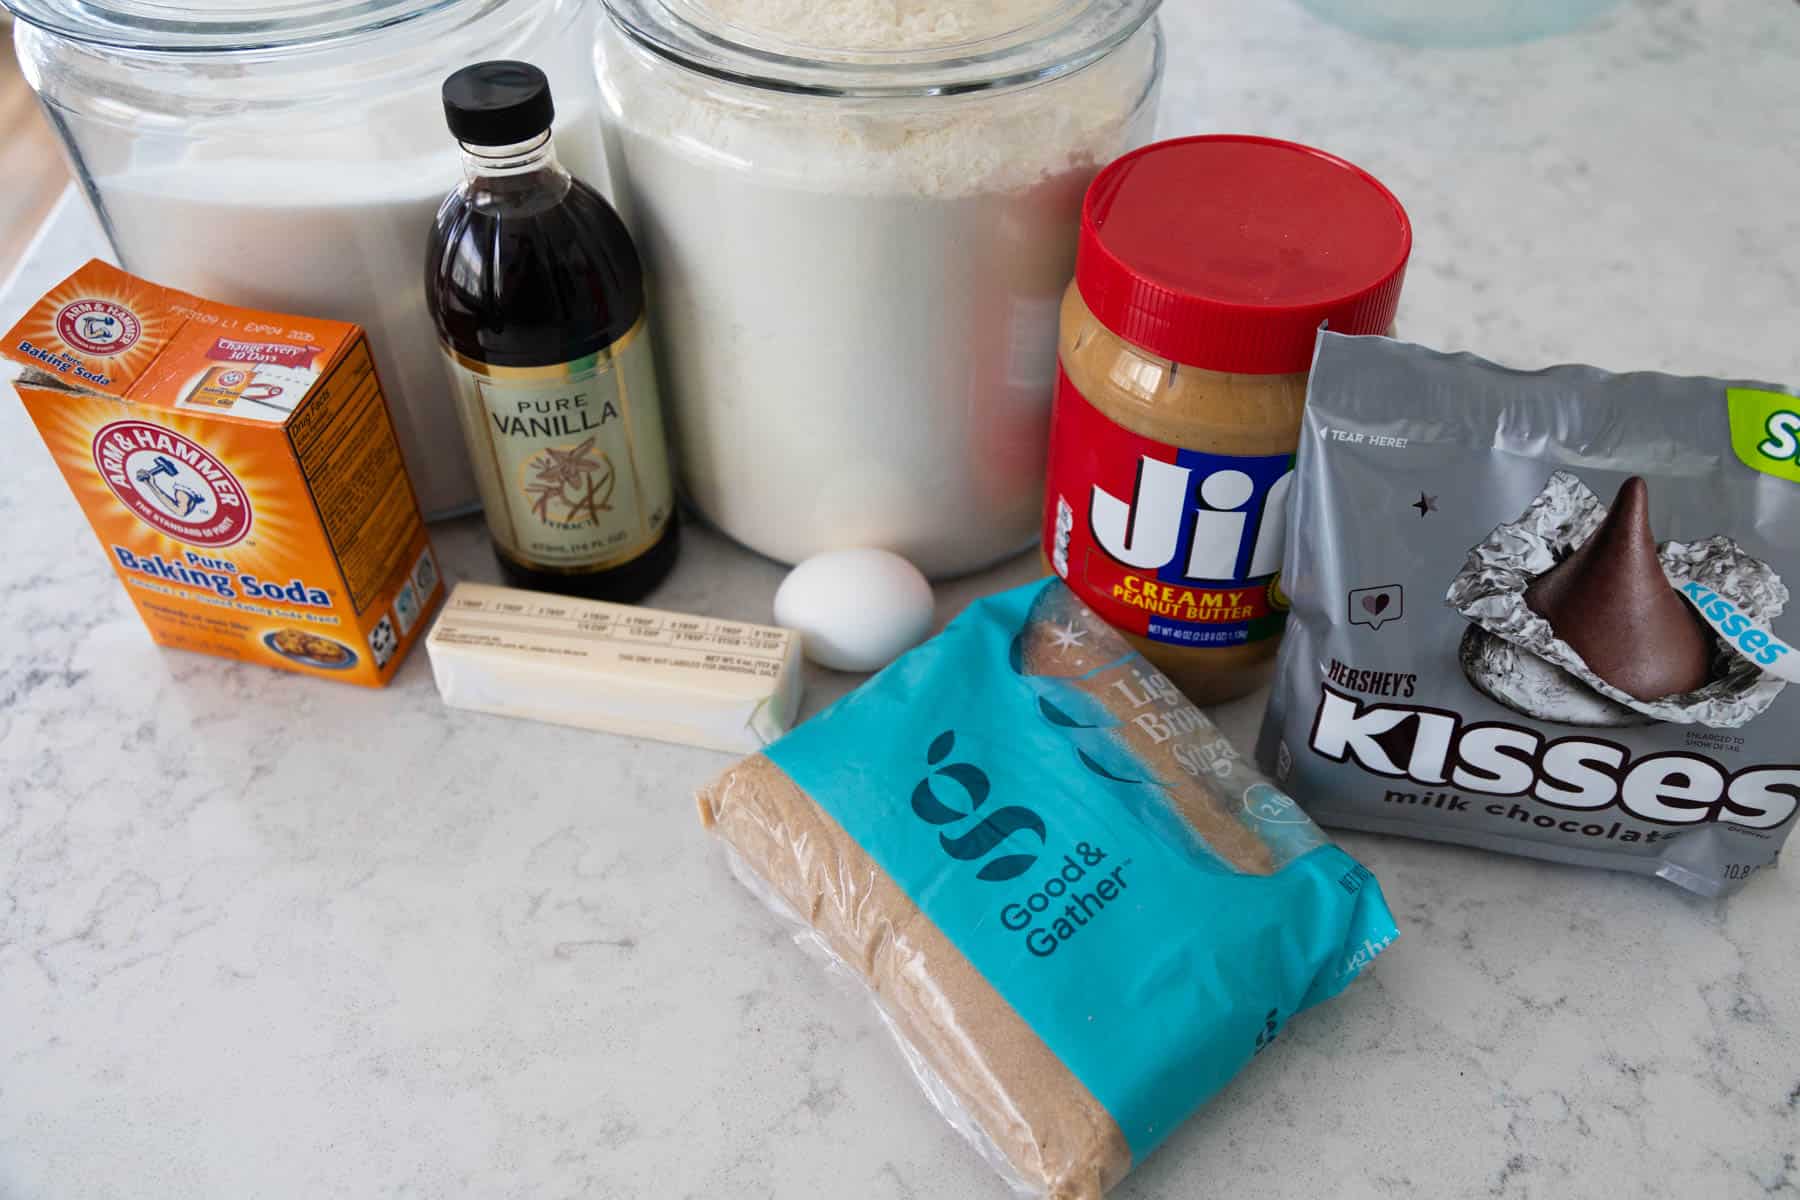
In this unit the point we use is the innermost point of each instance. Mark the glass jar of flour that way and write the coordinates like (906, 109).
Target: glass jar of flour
(858, 220)
(291, 157)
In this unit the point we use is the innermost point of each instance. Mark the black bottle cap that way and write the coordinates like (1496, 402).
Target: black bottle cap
(498, 103)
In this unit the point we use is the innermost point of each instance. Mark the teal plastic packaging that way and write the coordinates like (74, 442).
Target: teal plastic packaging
(1098, 873)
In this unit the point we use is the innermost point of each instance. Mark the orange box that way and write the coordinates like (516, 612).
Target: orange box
(239, 468)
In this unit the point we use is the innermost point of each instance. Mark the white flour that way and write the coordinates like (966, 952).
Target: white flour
(881, 24)
(338, 239)
(859, 299)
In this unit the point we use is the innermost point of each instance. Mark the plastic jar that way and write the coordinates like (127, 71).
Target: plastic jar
(291, 157)
(1206, 268)
(858, 221)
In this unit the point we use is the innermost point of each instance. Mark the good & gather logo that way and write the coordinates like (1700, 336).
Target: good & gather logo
(974, 844)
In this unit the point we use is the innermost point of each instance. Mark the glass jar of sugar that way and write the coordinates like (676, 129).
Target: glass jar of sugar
(291, 157)
(858, 220)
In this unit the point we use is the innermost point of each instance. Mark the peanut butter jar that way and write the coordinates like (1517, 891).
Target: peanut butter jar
(1206, 268)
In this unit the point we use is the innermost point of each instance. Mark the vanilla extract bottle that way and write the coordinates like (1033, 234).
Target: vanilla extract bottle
(538, 296)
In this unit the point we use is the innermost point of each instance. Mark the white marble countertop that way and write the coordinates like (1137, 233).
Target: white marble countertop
(262, 935)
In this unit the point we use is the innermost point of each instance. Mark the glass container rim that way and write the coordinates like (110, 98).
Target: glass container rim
(1072, 35)
(157, 27)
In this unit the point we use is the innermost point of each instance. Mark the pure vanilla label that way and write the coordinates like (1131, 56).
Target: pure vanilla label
(570, 458)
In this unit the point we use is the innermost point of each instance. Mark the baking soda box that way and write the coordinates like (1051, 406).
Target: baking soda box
(240, 470)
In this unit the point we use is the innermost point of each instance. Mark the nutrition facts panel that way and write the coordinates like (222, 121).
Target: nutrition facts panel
(346, 447)
(554, 625)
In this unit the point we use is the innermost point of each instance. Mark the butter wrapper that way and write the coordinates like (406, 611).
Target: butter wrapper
(615, 668)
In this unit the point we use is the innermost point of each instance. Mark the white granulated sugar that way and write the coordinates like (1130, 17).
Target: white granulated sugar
(880, 24)
(857, 300)
(341, 237)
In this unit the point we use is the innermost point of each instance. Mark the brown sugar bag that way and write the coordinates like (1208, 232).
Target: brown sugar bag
(1037, 1115)
(957, 832)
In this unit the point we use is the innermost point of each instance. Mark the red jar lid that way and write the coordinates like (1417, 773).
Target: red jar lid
(1228, 252)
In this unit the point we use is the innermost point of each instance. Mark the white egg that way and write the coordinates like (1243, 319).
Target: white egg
(855, 610)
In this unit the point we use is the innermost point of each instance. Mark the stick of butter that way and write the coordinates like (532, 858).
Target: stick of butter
(699, 681)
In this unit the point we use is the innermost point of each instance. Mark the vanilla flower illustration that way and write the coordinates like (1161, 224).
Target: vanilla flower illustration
(572, 477)
(567, 468)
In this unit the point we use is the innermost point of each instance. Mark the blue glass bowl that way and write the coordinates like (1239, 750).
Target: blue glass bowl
(1462, 23)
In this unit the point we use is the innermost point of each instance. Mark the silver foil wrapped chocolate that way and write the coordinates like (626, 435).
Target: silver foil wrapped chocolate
(1515, 657)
